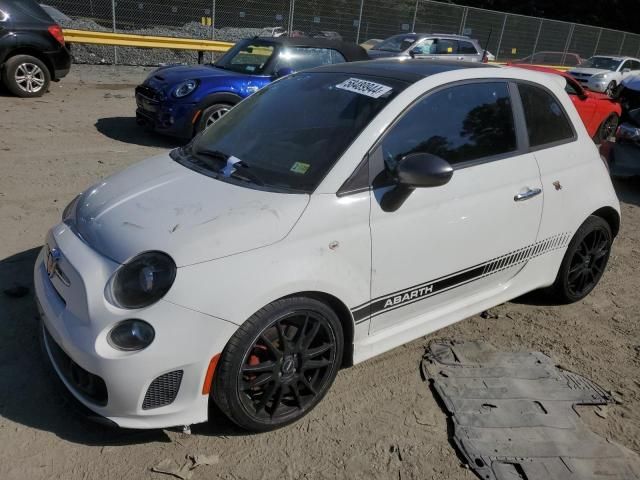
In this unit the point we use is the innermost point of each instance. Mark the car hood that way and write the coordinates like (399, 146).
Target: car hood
(179, 73)
(159, 204)
(589, 71)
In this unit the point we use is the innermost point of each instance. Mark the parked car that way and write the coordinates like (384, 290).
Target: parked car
(329, 35)
(429, 45)
(603, 73)
(599, 113)
(32, 49)
(184, 100)
(372, 42)
(251, 265)
(273, 32)
(623, 155)
(567, 59)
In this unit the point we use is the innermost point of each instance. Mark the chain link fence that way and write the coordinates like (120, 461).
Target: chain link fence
(507, 36)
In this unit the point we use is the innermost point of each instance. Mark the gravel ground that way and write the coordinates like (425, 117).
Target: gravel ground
(379, 420)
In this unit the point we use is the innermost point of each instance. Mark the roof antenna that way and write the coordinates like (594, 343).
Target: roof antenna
(485, 59)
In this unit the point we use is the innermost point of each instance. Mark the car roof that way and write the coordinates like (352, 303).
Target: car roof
(350, 51)
(614, 57)
(407, 70)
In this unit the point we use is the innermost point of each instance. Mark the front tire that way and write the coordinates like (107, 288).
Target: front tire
(611, 88)
(26, 76)
(212, 114)
(584, 262)
(279, 364)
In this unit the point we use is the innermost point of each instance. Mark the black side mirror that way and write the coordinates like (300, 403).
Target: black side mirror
(418, 170)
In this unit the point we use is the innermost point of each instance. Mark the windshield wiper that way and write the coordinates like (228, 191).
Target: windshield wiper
(246, 175)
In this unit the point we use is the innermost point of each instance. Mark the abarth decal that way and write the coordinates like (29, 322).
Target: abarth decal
(402, 298)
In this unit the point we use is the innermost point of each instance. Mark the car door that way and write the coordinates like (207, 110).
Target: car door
(445, 246)
(6, 40)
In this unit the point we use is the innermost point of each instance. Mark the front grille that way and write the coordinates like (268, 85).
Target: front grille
(163, 390)
(148, 92)
(89, 386)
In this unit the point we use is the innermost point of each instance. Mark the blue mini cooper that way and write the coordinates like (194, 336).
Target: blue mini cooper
(183, 100)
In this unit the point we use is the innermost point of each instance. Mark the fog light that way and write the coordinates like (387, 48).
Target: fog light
(131, 335)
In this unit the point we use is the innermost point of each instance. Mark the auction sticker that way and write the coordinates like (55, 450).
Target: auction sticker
(364, 87)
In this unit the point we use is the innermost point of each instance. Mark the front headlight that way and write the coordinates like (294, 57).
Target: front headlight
(185, 88)
(142, 281)
(600, 76)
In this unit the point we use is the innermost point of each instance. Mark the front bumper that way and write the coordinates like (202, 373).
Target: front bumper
(76, 320)
(174, 119)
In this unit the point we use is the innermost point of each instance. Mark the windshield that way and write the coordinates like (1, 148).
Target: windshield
(604, 63)
(397, 43)
(274, 140)
(249, 57)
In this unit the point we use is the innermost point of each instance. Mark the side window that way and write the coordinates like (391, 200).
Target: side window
(458, 124)
(546, 120)
(626, 64)
(446, 47)
(425, 48)
(635, 65)
(467, 48)
(300, 58)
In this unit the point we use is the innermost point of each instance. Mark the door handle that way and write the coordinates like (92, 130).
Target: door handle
(530, 193)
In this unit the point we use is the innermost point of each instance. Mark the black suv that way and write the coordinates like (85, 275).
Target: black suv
(32, 50)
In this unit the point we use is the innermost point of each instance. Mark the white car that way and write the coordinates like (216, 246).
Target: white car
(331, 216)
(603, 73)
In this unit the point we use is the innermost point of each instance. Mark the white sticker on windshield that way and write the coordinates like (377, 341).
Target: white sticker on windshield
(364, 87)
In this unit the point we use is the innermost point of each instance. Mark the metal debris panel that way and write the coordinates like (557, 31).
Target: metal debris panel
(513, 415)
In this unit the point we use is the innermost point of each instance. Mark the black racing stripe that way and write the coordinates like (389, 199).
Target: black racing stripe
(407, 296)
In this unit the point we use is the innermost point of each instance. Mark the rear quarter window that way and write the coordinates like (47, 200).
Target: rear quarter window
(466, 48)
(24, 10)
(547, 122)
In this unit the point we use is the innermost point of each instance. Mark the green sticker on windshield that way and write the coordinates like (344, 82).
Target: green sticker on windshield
(300, 168)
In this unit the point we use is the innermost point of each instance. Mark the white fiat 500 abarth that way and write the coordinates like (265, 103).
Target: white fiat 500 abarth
(332, 216)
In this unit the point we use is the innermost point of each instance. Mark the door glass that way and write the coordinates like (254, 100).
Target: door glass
(458, 124)
(466, 48)
(425, 48)
(446, 47)
(301, 58)
(546, 120)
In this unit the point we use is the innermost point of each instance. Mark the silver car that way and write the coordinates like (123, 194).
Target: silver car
(429, 45)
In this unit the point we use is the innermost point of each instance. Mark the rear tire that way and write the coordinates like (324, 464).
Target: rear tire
(26, 76)
(584, 262)
(279, 364)
(607, 128)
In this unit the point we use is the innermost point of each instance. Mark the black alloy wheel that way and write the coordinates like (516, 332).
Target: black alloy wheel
(611, 88)
(279, 372)
(588, 262)
(607, 128)
(585, 261)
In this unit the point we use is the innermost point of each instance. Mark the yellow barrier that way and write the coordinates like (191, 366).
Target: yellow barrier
(144, 41)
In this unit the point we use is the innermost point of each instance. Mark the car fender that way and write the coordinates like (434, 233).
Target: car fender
(327, 251)
(218, 97)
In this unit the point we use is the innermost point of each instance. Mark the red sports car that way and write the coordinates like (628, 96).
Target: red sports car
(599, 113)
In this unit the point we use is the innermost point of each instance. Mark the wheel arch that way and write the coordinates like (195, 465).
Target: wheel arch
(219, 97)
(344, 315)
(31, 52)
(611, 216)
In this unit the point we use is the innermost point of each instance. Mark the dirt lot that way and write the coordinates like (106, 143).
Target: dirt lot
(379, 421)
